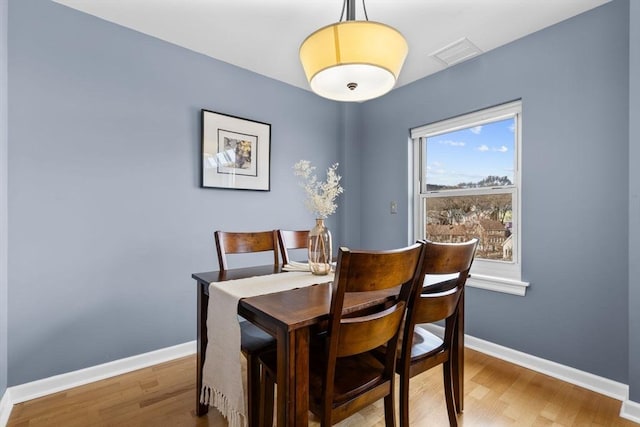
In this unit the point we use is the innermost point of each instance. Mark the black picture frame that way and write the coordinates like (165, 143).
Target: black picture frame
(236, 152)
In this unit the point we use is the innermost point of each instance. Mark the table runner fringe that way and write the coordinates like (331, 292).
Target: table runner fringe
(213, 397)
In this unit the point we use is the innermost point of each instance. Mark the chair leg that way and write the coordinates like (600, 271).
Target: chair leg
(389, 415)
(456, 371)
(448, 394)
(404, 400)
(325, 416)
(267, 385)
(253, 390)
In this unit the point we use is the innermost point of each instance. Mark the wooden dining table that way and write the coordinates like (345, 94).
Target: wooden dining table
(291, 316)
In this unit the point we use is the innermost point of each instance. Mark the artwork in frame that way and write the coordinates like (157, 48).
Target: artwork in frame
(235, 152)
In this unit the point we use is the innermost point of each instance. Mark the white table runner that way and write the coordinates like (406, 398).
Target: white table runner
(222, 379)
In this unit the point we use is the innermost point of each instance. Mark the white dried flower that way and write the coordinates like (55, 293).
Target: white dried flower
(321, 195)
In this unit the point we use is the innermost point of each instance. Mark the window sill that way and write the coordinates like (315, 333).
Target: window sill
(498, 284)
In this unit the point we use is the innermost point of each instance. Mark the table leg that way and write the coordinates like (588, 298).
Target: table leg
(203, 303)
(458, 358)
(293, 378)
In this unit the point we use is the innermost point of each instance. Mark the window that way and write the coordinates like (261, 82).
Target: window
(467, 184)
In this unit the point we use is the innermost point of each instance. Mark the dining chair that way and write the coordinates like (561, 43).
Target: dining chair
(420, 349)
(245, 242)
(253, 340)
(344, 373)
(290, 239)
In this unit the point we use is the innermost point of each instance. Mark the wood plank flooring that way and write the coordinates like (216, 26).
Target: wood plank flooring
(497, 394)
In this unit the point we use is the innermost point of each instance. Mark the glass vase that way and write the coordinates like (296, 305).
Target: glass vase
(320, 249)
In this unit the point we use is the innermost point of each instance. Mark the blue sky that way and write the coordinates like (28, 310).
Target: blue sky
(471, 154)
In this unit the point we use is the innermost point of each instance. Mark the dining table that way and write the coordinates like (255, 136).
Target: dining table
(291, 317)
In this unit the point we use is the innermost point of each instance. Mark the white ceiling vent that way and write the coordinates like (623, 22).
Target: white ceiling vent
(456, 52)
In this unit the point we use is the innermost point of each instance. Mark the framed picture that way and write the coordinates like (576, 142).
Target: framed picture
(235, 152)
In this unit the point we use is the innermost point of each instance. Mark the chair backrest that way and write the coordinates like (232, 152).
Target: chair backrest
(245, 242)
(427, 306)
(449, 258)
(356, 333)
(290, 239)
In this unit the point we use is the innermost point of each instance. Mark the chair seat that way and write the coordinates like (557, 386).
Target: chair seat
(253, 339)
(353, 374)
(425, 343)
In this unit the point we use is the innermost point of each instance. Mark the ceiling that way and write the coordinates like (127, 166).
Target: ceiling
(264, 35)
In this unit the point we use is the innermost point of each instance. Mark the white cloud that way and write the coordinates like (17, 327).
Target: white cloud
(476, 129)
(453, 143)
(483, 148)
(502, 149)
(512, 127)
(436, 168)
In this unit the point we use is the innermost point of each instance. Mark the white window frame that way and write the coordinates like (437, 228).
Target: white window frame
(501, 276)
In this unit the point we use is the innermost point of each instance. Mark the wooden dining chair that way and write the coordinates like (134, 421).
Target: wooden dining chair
(421, 350)
(253, 340)
(245, 242)
(290, 239)
(344, 374)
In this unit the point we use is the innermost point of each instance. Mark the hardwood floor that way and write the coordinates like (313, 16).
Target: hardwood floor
(497, 393)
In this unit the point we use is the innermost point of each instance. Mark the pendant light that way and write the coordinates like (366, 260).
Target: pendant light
(353, 60)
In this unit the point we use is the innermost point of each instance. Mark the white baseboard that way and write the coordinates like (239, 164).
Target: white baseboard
(568, 374)
(5, 408)
(630, 410)
(39, 388)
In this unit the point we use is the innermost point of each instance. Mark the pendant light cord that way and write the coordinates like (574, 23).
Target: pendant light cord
(344, 7)
(364, 8)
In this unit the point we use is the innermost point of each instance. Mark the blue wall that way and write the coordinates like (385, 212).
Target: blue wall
(3, 195)
(106, 215)
(350, 156)
(573, 81)
(634, 203)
